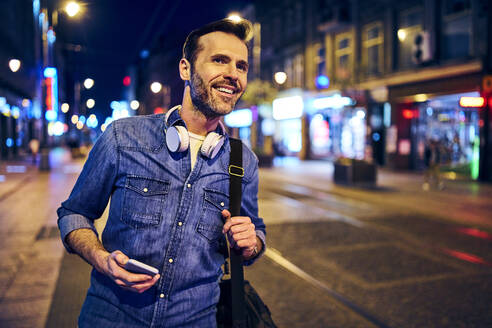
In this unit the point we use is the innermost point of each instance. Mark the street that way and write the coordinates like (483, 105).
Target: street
(390, 256)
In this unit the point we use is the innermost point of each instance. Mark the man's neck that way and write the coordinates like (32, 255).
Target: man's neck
(195, 121)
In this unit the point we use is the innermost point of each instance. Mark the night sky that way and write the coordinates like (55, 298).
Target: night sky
(112, 34)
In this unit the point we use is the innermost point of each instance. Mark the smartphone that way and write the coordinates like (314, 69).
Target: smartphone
(139, 267)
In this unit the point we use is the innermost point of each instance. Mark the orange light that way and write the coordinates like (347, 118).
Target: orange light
(158, 110)
(472, 101)
(408, 114)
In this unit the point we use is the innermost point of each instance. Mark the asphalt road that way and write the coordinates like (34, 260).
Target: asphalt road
(339, 260)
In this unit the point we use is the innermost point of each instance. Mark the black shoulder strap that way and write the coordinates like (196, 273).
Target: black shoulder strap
(236, 173)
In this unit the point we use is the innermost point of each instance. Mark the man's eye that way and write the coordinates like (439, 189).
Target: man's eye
(219, 60)
(242, 68)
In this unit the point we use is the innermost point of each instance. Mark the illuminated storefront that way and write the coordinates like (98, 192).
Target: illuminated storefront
(336, 128)
(287, 114)
(455, 127)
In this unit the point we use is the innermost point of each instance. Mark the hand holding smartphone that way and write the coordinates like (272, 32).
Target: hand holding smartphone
(139, 267)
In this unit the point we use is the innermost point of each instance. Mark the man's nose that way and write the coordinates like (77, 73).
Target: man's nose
(231, 72)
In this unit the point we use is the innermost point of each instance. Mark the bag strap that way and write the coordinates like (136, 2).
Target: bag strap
(236, 173)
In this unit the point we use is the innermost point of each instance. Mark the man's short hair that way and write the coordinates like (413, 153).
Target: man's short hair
(242, 30)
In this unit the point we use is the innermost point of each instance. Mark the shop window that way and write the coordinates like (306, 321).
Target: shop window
(409, 25)
(456, 29)
(344, 56)
(372, 44)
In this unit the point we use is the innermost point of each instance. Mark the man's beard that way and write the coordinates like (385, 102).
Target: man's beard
(205, 102)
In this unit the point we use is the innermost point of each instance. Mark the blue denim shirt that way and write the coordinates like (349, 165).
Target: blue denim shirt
(161, 213)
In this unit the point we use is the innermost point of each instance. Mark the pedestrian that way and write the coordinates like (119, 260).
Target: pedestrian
(167, 176)
(34, 148)
(432, 159)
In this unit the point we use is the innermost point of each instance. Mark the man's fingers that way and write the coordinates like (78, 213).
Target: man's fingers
(243, 227)
(119, 257)
(245, 235)
(139, 287)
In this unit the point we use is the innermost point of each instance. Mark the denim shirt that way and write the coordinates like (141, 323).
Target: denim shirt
(161, 213)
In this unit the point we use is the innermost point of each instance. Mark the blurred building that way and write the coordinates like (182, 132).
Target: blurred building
(377, 80)
(18, 111)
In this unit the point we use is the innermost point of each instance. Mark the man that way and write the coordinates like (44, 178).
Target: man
(169, 197)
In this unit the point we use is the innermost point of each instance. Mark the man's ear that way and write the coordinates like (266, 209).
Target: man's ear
(184, 69)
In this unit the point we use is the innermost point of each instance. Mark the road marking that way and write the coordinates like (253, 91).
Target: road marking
(276, 256)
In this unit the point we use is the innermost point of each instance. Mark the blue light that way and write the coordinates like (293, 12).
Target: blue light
(51, 115)
(322, 81)
(49, 72)
(82, 119)
(9, 142)
(51, 36)
(376, 136)
(115, 105)
(144, 54)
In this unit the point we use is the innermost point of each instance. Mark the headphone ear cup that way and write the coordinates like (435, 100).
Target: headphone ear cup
(177, 138)
(211, 145)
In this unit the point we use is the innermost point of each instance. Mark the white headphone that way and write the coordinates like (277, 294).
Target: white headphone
(178, 139)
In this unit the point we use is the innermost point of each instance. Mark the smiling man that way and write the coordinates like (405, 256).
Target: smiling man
(167, 177)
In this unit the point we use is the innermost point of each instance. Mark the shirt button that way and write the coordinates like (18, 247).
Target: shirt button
(188, 185)
(171, 260)
(222, 204)
(180, 223)
(145, 190)
(162, 296)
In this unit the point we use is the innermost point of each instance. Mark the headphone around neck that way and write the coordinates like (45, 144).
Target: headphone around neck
(178, 139)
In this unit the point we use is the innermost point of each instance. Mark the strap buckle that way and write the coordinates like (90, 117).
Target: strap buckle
(236, 171)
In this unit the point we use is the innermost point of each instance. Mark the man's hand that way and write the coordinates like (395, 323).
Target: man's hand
(85, 243)
(113, 266)
(242, 234)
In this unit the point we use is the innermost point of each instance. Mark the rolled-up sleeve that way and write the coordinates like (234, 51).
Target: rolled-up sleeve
(93, 188)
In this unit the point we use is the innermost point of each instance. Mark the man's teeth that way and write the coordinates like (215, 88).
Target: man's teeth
(225, 90)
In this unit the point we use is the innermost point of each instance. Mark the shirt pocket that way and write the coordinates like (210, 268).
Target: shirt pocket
(144, 201)
(211, 222)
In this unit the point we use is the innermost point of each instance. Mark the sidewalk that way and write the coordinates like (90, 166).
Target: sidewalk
(33, 294)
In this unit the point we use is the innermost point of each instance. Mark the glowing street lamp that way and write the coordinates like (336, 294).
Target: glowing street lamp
(156, 87)
(14, 65)
(280, 77)
(65, 107)
(234, 17)
(72, 8)
(134, 104)
(90, 103)
(88, 83)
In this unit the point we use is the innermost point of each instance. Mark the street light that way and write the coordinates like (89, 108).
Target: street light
(234, 17)
(156, 87)
(90, 103)
(134, 104)
(88, 83)
(280, 77)
(14, 65)
(65, 107)
(72, 8)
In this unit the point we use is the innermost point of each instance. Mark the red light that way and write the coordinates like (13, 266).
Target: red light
(466, 257)
(126, 81)
(158, 110)
(408, 114)
(49, 99)
(472, 101)
(475, 233)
